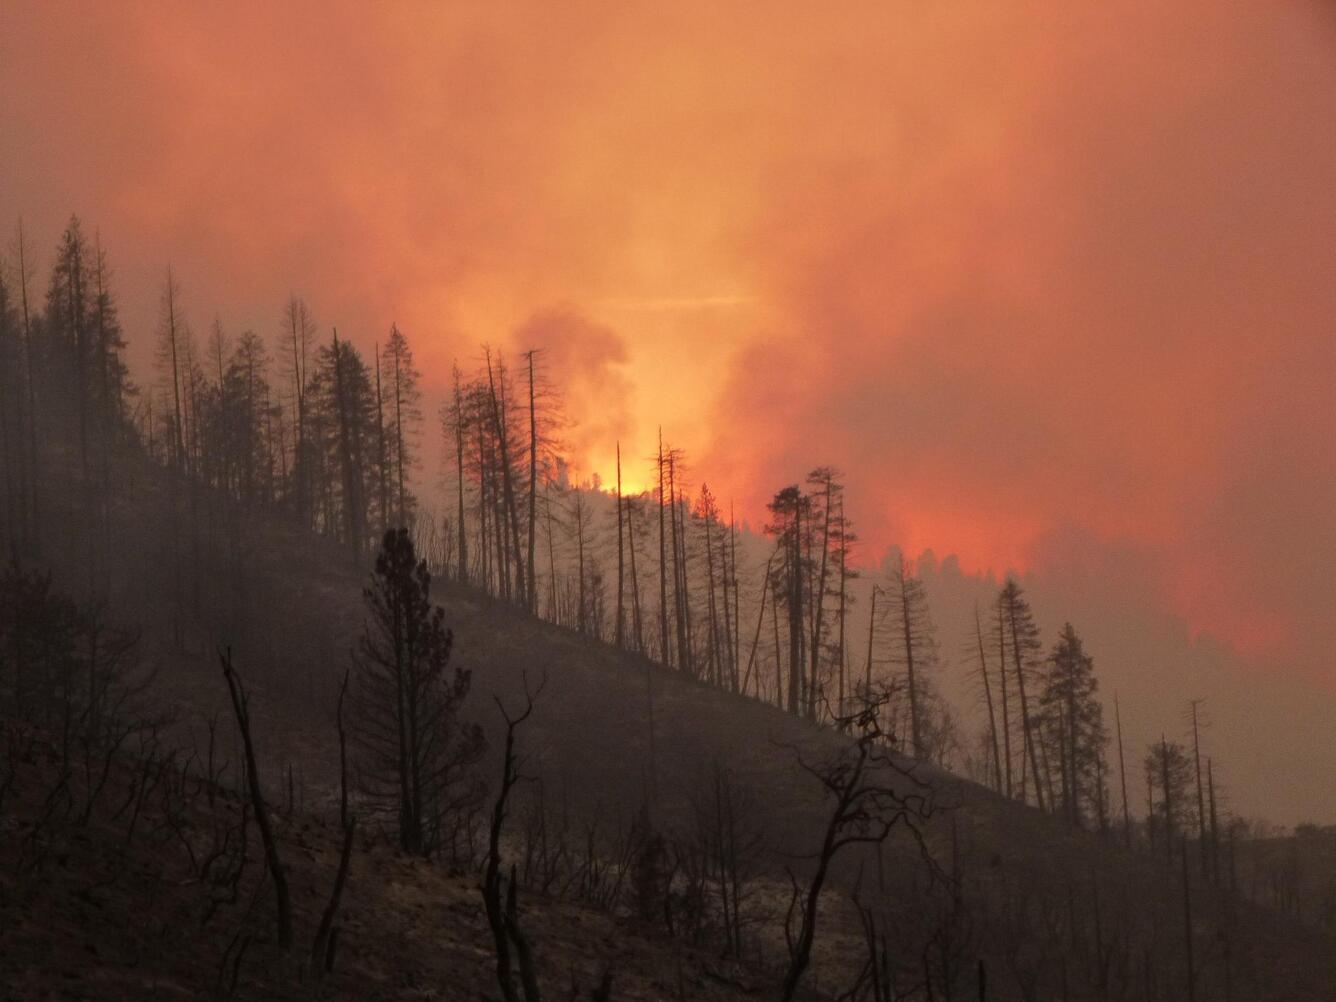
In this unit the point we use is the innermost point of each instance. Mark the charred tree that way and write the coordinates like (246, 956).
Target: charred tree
(240, 707)
(988, 701)
(872, 795)
(503, 919)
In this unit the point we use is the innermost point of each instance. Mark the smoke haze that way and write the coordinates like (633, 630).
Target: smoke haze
(1052, 284)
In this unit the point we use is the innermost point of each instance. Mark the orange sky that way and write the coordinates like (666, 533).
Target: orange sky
(1045, 280)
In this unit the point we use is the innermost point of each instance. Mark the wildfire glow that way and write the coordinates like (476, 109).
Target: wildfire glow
(1028, 275)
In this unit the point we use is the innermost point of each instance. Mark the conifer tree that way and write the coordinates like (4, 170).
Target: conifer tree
(247, 385)
(1074, 726)
(984, 676)
(172, 356)
(32, 460)
(112, 384)
(707, 514)
(298, 335)
(1020, 640)
(405, 417)
(70, 356)
(408, 701)
(12, 461)
(1169, 782)
(822, 501)
(789, 510)
(915, 651)
(456, 430)
(344, 398)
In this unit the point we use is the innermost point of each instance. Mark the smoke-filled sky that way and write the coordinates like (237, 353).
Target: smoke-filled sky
(1053, 284)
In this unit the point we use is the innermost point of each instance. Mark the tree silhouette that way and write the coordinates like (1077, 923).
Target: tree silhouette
(915, 651)
(417, 750)
(789, 511)
(1168, 776)
(1020, 641)
(872, 794)
(1074, 726)
(405, 412)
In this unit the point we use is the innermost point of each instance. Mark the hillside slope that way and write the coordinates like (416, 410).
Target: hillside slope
(1050, 912)
(87, 911)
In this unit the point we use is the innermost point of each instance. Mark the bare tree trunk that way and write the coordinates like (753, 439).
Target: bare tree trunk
(618, 638)
(508, 488)
(297, 331)
(533, 482)
(652, 784)
(551, 554)
(756, 636)
(276, 871)
(907, 632)
(1028, 737)
(1187, 927)
(732, 624)
(34, 464)
(523, 952)
(988, 698)
(179, 440)
(503, 920)
(463, 574)
(871, 641)
(865, 811)
(797, 684)
(12, 476)
(1201, 793)
(486, 509)
(636, 622)
(344, 818)
(844, 589)
(779, 651)
(683, 648)
(383, 459)
(665, 652)
(580, 560)
(399, 444)
(351, 496)
(1122, 773)
(1150, 806)
(1167, 790)
(1069, 767)
(682, 514)
(1215, 827)
(817, 601)
(492, 879)
(1006, 710)
(712, 608)
(109, 410)
(322, 950)
(76, 306)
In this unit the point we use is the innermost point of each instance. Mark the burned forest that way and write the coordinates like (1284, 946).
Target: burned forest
(611, 504)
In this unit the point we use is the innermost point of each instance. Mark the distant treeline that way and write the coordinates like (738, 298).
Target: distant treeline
(304, 425)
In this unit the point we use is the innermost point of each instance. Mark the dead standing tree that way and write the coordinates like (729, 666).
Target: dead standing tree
(1017, 629)
(326, 937)
(276, 871)
(916, 650)
(872, 794)
(789, 509)
(504, 922)
(508, 516)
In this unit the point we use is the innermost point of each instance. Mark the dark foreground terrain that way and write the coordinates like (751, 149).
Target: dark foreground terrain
(159, 890)
(145, 901)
